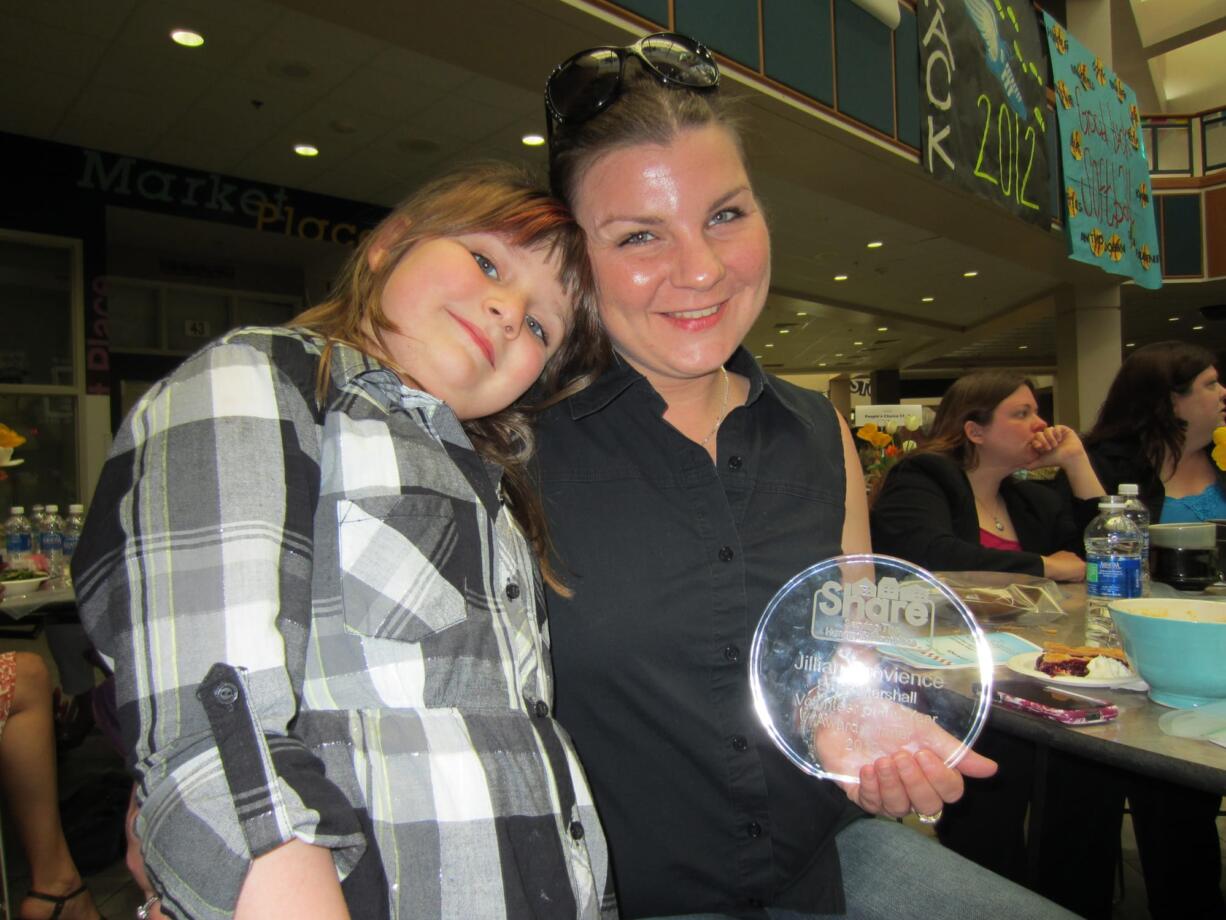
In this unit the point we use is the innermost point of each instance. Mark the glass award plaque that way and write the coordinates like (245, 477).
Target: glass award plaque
(853, 659)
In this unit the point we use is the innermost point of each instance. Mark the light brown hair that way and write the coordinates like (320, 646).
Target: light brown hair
(482, 198)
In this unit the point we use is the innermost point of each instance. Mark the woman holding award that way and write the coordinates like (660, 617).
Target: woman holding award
(683, 488)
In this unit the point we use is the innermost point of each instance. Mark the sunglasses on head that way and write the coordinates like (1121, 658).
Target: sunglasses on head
(585, 84)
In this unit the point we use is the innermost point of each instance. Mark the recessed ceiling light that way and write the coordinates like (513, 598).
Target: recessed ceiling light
(1130, 344)
(784, 331)
(802, 313)
(770, 344)
(1197, 328)
(838, 354)
(1172, 319)
(840, 277)
(883, 328)
(821, 363)
(875, 244)
(1022, 347)
(532, 140)
(969, 274)
(306, 150)
(187, 38)
(758, 357)
(927, 299)
(857, 343)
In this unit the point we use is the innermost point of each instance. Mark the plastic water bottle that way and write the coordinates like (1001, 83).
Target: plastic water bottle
(72, 533)
(51, 540)
(37, 513)
(1135, 509)
(1113, 567)
(18, 537)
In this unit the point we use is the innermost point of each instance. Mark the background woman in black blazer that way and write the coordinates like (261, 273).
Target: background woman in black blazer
(954, 504)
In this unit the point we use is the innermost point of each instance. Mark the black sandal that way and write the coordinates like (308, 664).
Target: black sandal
(58, 900)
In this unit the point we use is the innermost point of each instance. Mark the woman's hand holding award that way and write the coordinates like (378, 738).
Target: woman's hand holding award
(828, 674)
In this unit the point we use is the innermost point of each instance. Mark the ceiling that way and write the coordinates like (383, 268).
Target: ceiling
(394, 91)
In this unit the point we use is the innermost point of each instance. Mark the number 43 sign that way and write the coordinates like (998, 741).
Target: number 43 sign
(985, 120)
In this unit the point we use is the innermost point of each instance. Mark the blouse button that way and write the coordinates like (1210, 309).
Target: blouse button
(754, 830)
(739, 743)
(735, 462)
(226, 693)
(512, 591)
(576, 830)
(541, 709)
(732, 653)
(725, 554)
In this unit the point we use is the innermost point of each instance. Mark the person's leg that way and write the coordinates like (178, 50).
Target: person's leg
(987, 825)
(27, 766)
(1181, 854)
(890, 870)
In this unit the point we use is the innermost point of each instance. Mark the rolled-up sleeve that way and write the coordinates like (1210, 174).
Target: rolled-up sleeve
(194, 578)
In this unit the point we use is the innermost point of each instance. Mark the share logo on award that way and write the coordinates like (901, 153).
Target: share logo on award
(850, 663)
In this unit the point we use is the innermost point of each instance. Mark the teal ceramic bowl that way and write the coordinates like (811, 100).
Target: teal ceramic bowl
(1178, 646)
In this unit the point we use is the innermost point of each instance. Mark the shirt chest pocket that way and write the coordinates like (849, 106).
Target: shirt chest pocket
(404, 565)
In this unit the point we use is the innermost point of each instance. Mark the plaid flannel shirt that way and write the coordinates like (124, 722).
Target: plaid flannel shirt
(325, 625)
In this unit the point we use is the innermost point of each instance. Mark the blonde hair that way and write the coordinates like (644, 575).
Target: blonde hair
(482, 198)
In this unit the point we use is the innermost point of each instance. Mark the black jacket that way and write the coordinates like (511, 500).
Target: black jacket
(926, 514)
(1124, 461)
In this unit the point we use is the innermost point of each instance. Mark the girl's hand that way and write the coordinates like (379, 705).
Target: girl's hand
(1056, 446)
(1064, 566)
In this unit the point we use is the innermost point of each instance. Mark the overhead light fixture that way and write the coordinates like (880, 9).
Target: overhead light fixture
(875, 244)
(758, 357)
(857, 343)
(838, 354)
(306, 150)
(927, 299)
(840, 277)
(1197, 328)
(1022, 347)
(1172, 319)
(187, 38)
(883, 328)
(784, 331)
(532, 140)
(802, 313)
(969, 274)
(770, 344)
(1130, 344)
(821, 363)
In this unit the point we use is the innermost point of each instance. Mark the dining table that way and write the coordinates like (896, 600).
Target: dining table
(1133, 741)
(22, 616)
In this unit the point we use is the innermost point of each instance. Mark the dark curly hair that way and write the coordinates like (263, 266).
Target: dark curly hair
(1138, 404)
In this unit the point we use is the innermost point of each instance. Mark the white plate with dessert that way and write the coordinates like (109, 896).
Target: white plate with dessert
(1078, 666)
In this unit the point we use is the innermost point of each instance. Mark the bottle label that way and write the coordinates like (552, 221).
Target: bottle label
(18, 544)
(52, 543)
(70, 545)
(1113, 576)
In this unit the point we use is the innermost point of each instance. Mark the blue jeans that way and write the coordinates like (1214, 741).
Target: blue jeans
(890, 871)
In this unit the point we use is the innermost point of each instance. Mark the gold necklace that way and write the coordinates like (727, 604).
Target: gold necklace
(723, 408)
(1000, 525)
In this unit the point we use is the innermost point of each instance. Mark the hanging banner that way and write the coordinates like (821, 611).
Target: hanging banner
(984, 107)
(1108, 211)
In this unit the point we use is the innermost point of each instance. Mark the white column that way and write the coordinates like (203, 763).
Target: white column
(1088, 351)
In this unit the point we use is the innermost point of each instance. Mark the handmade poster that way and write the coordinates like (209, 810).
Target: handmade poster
(987, 128)
(846, 666)
(1108, 210)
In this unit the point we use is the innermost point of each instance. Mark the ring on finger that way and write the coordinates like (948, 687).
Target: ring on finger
(930, 819)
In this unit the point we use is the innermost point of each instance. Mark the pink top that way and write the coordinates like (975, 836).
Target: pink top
(992, 541)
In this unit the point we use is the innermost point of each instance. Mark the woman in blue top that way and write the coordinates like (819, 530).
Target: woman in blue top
(1155, 429)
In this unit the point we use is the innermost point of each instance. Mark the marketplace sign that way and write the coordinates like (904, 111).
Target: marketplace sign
(987, 128)
(1108, 209)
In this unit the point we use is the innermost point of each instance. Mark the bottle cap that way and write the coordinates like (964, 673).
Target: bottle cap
(76, 509)
(53, 509)
(17, 509)
(1111, 501)
(1129, 488)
